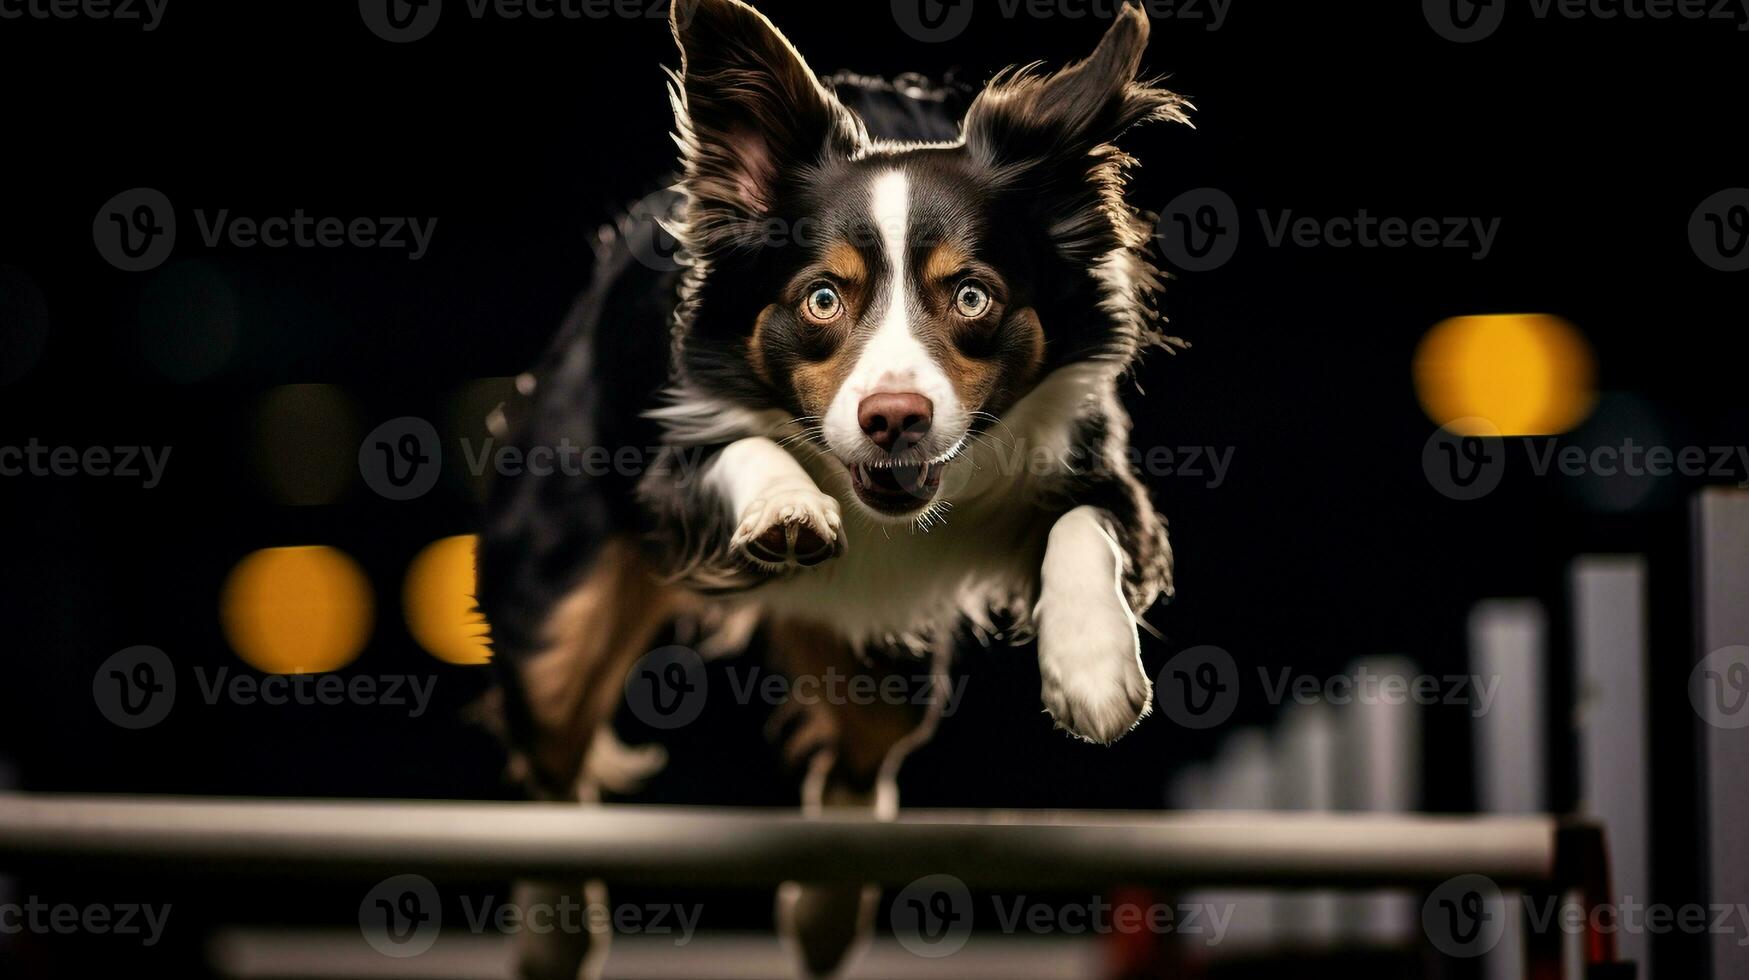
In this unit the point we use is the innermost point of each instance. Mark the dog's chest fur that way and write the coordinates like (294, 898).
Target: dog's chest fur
(977, 556)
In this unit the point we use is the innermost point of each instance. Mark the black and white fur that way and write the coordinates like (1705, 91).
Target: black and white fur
(981, 256)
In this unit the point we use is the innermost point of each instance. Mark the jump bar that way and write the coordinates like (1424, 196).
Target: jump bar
(738, 847)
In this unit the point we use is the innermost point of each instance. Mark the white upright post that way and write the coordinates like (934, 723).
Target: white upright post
(1241, 780)
(1609, 632)
(1719, 690)
(1381, 745)
(1509, 650)
(1306, 756)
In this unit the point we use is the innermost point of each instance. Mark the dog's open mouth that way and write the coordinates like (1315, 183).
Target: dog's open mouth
(896, 489)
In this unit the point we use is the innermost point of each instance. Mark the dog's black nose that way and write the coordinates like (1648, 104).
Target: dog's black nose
(895, 421)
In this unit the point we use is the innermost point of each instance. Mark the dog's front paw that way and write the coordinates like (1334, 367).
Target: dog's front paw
(1089, 662)
(790, 529)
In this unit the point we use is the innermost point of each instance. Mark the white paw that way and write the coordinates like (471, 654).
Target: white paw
(786, 529)
(1090, 665)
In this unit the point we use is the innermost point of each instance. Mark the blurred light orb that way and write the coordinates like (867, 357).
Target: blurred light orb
(305, 436)
(302, 610)
(190, 319)
(438, 601)
(1527, 374)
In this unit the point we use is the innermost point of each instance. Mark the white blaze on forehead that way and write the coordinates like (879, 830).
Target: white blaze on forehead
(893, 359)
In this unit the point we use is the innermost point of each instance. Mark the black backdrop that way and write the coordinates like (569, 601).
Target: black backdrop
(1591, 140)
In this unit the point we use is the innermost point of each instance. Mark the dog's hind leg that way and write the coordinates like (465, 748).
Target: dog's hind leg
(571, 688)
(858, 741)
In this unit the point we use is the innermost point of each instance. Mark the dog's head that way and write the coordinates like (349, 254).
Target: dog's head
(895, 299)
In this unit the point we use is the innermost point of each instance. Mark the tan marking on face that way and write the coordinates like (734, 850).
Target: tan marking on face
(945, 260)
(817, 382)
(1005, 375)
(845, 262)
(756, 345)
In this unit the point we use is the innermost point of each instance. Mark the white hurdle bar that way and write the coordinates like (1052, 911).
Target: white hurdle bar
(674, 845)
(735, 847)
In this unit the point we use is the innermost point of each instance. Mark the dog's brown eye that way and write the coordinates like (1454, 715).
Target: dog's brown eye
(823, 304)
(971, 299)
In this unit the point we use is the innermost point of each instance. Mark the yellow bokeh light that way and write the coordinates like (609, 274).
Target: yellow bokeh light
(1520, 374)
(439, 603)
(305, 610)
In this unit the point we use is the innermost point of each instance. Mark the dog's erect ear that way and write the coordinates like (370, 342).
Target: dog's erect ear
(749, 109)
(1041, 128)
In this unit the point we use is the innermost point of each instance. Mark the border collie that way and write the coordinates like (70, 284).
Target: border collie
(893, 346)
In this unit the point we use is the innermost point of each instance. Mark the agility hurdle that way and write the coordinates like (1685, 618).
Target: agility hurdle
(681, 846)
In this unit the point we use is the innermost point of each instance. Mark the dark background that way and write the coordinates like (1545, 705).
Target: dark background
(1593, 142)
